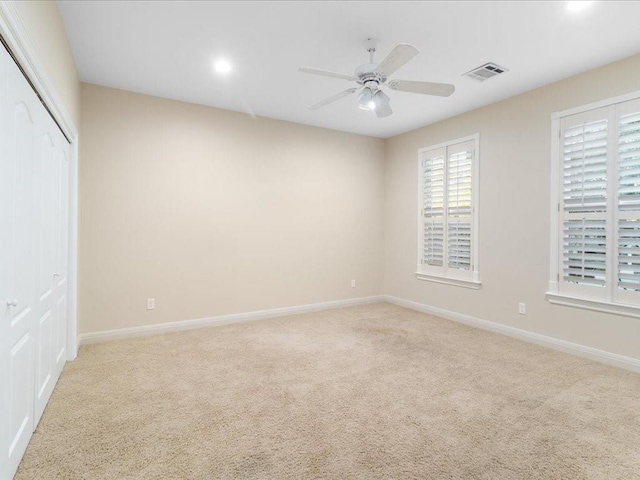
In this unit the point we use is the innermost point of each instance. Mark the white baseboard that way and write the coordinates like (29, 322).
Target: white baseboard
(620, 361)
(159, 328)
(601, 356)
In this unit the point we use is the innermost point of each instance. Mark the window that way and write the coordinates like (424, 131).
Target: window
(447, 219)
(596, 239)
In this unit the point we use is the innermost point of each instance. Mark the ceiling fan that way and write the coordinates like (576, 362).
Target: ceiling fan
(372, 76)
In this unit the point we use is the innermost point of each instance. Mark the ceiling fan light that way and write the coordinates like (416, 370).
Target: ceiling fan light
(365, 99)
(379, 99)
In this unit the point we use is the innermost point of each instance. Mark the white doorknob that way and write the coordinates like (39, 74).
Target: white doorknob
(12, 303)
(56, 274)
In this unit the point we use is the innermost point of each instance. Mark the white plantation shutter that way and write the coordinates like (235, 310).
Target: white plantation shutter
(629, 163)
(459, 244)
(433, 208)
(585, 249)
(628, 203)
(629, 255)
(585, 167)
(433, 249)
(584, 144)
(447, 217)
(434, 184)
(599, 204)
(459, 207)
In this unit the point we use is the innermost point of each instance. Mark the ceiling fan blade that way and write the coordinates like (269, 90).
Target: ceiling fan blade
(384, 110)
(325, 73)
(426, 88)
(332, 99)
(397, 58)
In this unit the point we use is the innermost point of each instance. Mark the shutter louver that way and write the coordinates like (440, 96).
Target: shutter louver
(629, 255)
(629, 163)
(433, 243)
(459, 185)
(459, 209)
(459, 245)
(585, 167)
(433, 187)
(585, 250)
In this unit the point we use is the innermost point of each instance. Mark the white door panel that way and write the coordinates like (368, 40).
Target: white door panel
(46, 198)
(21, 405)
(61, 334)
(61, 273)
(18, 286)
(63, 223)
(20, 233)
(44, 364)
(34, 239)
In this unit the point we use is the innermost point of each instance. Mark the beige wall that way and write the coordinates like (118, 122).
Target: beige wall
(513, 216)
(212, 212)
(45, 29)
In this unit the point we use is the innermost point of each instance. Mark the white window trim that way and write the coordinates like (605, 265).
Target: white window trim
(475, 285)
(595, 305)
(553, 294)
(474, 282)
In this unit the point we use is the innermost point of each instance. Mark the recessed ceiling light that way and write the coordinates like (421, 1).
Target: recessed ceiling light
(577, 6)
(222, 66)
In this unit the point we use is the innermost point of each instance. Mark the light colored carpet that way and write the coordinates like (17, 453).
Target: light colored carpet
(367, 392)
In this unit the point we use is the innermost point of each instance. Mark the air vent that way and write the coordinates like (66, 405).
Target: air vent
(485, 72)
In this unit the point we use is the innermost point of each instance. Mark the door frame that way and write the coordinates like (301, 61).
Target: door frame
(15, 35)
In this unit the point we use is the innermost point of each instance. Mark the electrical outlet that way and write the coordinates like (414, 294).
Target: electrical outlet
(151, 303)
(353, 284)
(522, 308)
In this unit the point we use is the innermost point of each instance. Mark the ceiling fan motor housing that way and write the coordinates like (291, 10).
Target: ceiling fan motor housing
(366, 75)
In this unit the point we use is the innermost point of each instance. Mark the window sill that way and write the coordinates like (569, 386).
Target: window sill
(449, 281)
(606, 307)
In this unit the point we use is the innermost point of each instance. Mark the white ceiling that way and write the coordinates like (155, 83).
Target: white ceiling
(167, 49)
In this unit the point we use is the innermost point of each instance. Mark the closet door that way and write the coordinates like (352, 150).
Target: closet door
(18, 306)
(34, 242)
(51, 198)
(46, 179)
(61, 274)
